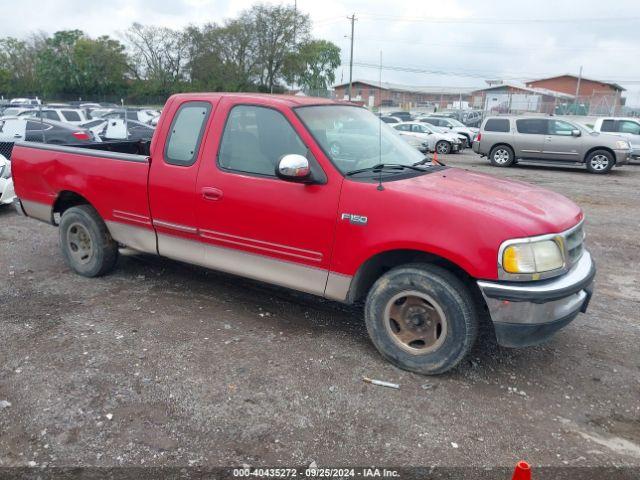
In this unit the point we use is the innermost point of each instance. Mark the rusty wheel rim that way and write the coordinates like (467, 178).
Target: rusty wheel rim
(415, 322)
(79, 243)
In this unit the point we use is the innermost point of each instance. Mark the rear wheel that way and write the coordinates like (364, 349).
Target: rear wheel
(600, 161)
(501, 156)
(87, 245)
(421, 318)
(443, 147)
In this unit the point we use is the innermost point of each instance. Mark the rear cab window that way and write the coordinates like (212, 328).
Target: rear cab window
(497, 125)
(532, 126)
(185, 134)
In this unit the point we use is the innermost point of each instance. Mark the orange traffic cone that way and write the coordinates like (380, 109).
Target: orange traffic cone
(435, 158)
(522, 471)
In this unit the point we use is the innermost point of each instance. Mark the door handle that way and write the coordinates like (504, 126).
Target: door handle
(17, 135)
(211, 193)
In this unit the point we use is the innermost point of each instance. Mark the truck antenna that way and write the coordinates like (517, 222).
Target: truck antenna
(380, 187)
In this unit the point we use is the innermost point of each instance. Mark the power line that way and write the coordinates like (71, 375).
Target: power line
(496, 21)
(498, 48)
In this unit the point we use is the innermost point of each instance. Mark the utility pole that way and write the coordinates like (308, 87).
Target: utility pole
(353, 19)
(575, 102)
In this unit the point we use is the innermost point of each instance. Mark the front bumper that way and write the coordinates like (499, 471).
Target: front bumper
(526, 314)
(622, 156)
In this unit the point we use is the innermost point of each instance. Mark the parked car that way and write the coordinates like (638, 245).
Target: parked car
(505, 140)
(15, 111)
(453, 125)
(389, 119)
(73, 116)
(114, 129)
(417, 143)
(7, 193)
(459, 136)
(142, 115)
(441, 143)
(627, 128)
(402, 115)
(428, 248)
(470, 118)
(17, 129)
(25, 101)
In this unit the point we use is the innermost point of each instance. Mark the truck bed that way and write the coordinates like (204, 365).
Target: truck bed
(115, 183)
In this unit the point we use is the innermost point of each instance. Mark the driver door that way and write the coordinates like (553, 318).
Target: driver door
(253, 223)
(560, 144)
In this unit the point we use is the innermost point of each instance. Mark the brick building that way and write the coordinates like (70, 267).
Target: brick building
(600, 97)
(502, 96)
(373, 94)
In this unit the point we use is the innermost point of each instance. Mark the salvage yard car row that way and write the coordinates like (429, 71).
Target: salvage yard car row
(59, 123)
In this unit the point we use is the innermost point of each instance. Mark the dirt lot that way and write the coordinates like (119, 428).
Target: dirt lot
(161, 363)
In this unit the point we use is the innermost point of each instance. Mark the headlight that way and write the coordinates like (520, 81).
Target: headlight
(533, 257)
(622, 145)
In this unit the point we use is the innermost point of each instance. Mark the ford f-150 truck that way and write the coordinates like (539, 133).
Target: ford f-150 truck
(249, 184)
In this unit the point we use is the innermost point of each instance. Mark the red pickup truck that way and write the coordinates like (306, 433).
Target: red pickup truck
(320, 196)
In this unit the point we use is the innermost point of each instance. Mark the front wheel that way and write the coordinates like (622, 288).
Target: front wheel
(86, 243)
(421, 318)
(443, 147)
(600, 161)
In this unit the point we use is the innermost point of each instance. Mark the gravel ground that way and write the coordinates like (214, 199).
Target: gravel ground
(162, 363)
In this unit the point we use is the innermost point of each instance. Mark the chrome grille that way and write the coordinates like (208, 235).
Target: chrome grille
(574, 244)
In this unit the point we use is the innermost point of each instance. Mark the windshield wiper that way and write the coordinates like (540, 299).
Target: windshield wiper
(382, 166)
(426, 160)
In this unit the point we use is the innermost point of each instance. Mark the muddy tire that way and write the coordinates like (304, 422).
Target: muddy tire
(421, 318)
(87, 246)
(600, 161)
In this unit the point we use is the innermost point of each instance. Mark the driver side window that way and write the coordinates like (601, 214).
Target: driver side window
(255, 139)
(558, 127)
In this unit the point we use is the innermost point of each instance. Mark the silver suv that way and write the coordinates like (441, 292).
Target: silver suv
(505, 140)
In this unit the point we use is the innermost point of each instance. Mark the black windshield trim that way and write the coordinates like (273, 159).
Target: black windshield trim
(392, 176)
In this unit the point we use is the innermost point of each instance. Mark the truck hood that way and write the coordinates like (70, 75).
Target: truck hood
(523, 209)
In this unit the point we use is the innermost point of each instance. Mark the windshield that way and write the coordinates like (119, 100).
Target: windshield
(354, 138)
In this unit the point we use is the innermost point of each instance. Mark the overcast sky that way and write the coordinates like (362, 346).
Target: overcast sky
(466, 40)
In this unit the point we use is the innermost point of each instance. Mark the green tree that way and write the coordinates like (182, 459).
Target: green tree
(18, 59)
(277, 29)
(160, 56)
(313, 65)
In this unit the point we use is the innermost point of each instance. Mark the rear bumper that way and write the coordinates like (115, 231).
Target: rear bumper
(475, 146)
(529, 314)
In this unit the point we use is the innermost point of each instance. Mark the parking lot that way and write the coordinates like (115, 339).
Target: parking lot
(162, 363)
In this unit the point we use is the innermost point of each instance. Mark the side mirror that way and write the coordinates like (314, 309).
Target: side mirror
(294, 167)
(576, 132)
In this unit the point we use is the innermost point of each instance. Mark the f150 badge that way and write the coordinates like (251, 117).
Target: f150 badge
(355, 219)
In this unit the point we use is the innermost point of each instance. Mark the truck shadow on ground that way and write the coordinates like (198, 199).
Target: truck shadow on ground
(259, 305)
